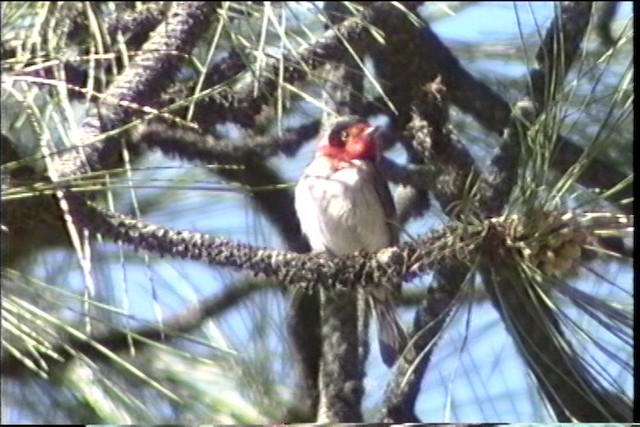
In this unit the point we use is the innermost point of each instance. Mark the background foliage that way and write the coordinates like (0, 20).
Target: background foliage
(200, 117)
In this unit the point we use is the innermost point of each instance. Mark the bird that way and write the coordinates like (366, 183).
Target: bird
(345, 206)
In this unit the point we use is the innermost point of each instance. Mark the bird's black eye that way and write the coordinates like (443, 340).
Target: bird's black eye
(338, 137)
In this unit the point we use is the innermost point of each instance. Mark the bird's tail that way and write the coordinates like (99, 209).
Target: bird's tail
(392, 337)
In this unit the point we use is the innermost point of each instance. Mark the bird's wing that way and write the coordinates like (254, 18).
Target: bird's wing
(388, 206)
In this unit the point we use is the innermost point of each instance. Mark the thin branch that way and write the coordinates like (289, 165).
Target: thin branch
(135, 24)
(192, 145)
(599, 175)
(432, 139)
(501, 176)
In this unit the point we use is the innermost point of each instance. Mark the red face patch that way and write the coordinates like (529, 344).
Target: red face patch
(351, 142)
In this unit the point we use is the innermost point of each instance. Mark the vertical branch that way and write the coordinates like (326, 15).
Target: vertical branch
(341, 373)
(342, 312)
(453, 168)
(558, 50)
(605, 12)
(303, 324)
(408, 77)
(502, 172)
(554, 56)
(430, 319)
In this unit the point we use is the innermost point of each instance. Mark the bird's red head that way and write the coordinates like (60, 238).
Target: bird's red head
(350, 140)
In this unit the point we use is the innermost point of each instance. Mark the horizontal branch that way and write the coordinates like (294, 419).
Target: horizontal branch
(402, 262)
(192, 145)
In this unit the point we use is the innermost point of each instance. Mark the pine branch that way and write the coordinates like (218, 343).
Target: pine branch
(571, 390)
(121, 340)
(148, 75)
(453, 170)
(556, 368)
(192, 145)
(413, 57)
(343, 318)
(241, 105)
(402, 262)
(403, 390)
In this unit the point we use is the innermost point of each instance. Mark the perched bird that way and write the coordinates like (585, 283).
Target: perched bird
(345, 206)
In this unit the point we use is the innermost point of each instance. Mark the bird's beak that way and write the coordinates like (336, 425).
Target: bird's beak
(369, 129)
(371, 133)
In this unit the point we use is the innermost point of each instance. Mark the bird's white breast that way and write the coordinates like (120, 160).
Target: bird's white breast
(340, 210)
